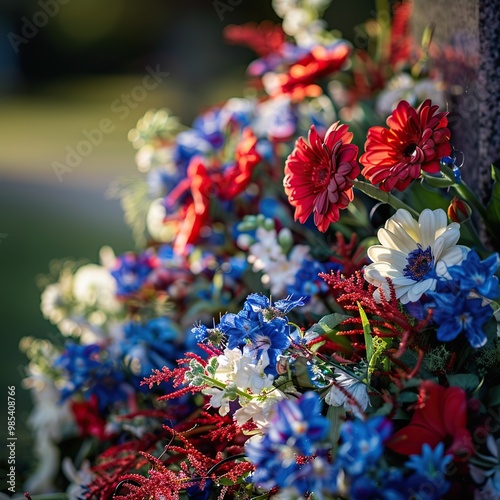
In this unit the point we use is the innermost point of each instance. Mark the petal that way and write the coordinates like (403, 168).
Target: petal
(379, 253)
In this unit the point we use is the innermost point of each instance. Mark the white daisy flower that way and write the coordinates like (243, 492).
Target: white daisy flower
(414, 255)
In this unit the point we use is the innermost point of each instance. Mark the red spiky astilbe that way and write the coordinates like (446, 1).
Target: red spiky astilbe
(193, 467)
(350, 256)
(117, 461)
(201, 446)
(386, 318)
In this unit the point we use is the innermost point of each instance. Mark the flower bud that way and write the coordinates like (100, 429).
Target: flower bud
(459, 211)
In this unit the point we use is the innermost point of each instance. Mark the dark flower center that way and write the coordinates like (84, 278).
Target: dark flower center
(321, 174)
(410, 150)
(420, 264)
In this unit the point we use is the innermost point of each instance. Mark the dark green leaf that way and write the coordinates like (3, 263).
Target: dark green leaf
(493, 206)
(467, 381)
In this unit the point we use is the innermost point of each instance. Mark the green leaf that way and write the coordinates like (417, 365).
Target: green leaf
(407, 397)
(231, 391)
(212, 366)
(301, 373)
(493, 206)
(225, 481)
(494, 396)
(336, 416)
(327, 326)
(367, 331)
(467, 381)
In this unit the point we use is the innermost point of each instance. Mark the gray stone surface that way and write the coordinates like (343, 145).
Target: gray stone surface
(467, 52)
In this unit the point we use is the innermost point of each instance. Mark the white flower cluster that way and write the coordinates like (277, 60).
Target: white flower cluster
(267, 255)
(242, 376)
(301, 19)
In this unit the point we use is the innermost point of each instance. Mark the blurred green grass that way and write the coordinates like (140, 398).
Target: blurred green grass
(43, 219)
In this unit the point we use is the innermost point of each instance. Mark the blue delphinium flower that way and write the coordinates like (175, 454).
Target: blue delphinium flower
(429, 479)
(455, 314)
(385, 485)
(307, 281)
(362, 444)
(86, 370)
(132, 271)
(297, 429)
(260, 327)
(150, 345)
(476, 274)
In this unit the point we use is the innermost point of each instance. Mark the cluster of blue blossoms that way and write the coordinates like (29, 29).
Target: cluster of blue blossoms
(295, 454)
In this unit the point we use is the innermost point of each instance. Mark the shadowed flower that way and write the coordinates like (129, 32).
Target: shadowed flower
(431, 422)
(414, 255)
(319, 175)
(415, 141)
(454, 314)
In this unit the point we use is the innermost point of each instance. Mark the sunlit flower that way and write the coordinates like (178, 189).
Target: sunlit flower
(300, 79)
(319, 175)
(403, 86)
(93, 286)
(414, 255)
(415, 141)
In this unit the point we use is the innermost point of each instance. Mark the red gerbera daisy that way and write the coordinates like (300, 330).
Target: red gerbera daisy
(319, 175)
(416, 140)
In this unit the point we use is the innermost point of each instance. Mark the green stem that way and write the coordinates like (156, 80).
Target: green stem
(468, 195)
(383, 196)
(464, 191)
(222, 385)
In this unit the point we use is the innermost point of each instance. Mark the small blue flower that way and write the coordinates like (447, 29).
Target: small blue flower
(87, 370)
(478, 275)
(307, 281)
(389, 486)
(428, 480)
(260, 327)
(195, 493)
(150, 346)
(132, 271)
(362, 444)
(297, 428)
(455, 314)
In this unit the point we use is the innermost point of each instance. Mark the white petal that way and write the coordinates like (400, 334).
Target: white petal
(450, 257)
(447, 240)
(403, 221)
(401, 242)
(379, 253)
(420, 288)
(427, 228)
(381, 270)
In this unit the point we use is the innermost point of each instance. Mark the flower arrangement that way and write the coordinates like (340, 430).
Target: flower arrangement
(312, 313)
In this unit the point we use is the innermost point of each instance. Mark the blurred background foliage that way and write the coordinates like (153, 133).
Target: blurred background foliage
(64, 79)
